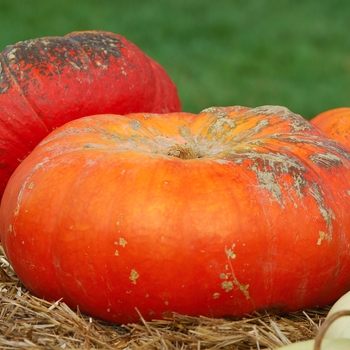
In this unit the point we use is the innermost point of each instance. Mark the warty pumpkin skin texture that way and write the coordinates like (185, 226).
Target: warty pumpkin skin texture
(216, 214)
(49, 81)
(335, 123)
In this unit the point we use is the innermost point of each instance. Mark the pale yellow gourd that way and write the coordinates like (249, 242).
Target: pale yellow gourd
(327, 344)
(339, 312)
(340, 328)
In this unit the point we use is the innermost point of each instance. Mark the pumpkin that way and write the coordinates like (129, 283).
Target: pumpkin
(322, 341)
(340, 328)
(218, 214)
(49, 81)
(335, 123)
(327, 344)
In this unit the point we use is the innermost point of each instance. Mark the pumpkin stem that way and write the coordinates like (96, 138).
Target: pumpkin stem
(183, 151)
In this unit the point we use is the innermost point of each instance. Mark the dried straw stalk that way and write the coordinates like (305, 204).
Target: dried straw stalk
(27, 322)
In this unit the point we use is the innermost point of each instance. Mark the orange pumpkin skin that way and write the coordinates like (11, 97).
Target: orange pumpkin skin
(216, 214)
(335, 123)
(46, 82)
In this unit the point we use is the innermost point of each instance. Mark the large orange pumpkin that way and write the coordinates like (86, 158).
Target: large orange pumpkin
(335, 123)
(49, 81)
(216, 214)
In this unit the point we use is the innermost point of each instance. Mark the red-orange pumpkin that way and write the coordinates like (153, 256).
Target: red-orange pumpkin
(335, 123)
(216, 214)
(49, 81)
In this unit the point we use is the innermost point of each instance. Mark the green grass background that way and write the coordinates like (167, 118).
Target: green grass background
(227, 52)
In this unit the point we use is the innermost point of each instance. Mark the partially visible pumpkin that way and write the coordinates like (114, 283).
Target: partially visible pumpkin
(327, 344)
(49, 81)
(340, 328)
(216, 214)
(322, 341)
(335, 123)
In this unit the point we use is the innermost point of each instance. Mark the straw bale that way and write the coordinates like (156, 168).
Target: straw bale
(28, 322)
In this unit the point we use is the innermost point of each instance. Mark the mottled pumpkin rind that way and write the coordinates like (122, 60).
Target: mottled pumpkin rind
(46, 82)
(335, 123)
(252, 216)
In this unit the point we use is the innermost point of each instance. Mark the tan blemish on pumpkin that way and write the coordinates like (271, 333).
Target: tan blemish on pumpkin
(326, 212)
(135, 124)
(298, 185)
(221, 161)
(122, 242)
(43, 40)
(224, 276)
(74, 65)
(185, 132)
(230, 253)
(249, 133)
(166, 302)
(268, 181)
(298, 123)
(3, 87)
(153, 131)
(134, 275)
(221, 127)
(124, 72)
(25, 184)
(323, 236)
(231, 280)
(31, 185)
(99, 64)
(269, 167)
(215, 111)
(326, 160)
(11, 55)
(270, 110)
(227, 286)
(216, 295)
(244, 289)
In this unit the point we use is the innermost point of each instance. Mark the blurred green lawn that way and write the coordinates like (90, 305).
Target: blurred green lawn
(228, 52)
